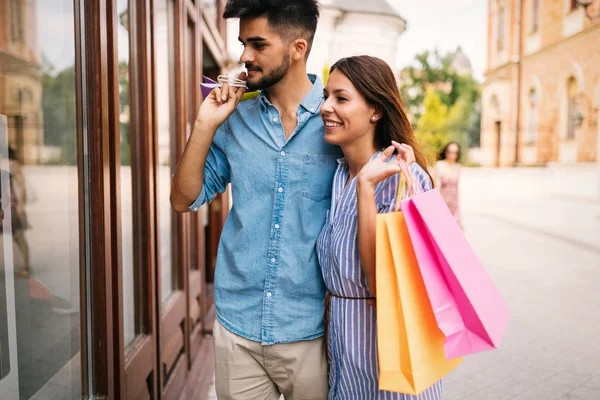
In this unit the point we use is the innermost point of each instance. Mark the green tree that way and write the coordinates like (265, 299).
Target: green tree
(431, 130)
(443, 103)
(124, 114)
(59, 105)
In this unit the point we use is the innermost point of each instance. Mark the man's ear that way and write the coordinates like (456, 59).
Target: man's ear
(298, 49)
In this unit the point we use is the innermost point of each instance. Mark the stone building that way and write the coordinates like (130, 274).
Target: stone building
(541, 93)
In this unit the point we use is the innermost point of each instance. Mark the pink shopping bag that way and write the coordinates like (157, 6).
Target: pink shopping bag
(468, 308)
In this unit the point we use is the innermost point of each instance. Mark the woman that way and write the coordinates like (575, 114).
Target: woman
(363, 114)
(447, 173)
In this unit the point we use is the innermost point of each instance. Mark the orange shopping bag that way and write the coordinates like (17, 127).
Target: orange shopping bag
(410, 343)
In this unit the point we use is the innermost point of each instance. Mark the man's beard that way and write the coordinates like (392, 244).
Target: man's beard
(273, 78)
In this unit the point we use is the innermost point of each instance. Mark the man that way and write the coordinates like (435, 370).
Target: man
(269, 291)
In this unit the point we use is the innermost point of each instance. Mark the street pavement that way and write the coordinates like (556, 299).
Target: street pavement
(541, 245)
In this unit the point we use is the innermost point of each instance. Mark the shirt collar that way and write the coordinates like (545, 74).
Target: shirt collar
(312, 100)
(344, 161)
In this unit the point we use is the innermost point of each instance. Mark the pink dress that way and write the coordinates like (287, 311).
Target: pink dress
(448, 185)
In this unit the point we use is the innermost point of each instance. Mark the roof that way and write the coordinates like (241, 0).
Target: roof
(460, 61)
(381, 7)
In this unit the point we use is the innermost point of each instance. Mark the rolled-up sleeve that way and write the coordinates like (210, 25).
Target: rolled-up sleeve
(216, 170)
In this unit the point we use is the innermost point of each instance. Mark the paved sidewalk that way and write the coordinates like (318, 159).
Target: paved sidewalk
(543, 250)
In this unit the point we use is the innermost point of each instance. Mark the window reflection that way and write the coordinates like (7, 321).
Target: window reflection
(211, 10)
(40, 231)
(126, 174)
(164, 55)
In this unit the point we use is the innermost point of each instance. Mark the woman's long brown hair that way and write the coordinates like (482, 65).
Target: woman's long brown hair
(374, 79)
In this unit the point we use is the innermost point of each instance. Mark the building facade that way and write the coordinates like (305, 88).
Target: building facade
(105, 292)
(354, 27)
(541, 96)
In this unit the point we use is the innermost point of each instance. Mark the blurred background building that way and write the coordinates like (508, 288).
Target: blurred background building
(541, 96)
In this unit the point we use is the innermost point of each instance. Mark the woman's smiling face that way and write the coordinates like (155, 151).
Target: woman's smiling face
(346, 114)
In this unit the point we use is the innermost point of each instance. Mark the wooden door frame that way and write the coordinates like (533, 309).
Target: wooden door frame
(141, 367)
(117, 373)
(136, 371)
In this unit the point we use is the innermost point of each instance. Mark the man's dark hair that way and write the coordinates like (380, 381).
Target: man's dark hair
(290, 19)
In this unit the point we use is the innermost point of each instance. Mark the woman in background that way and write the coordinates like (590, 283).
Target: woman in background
(447, 174)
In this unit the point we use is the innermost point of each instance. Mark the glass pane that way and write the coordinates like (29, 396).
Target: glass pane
(164, 55)
(210, 9)
(39, 256)
(129, 291)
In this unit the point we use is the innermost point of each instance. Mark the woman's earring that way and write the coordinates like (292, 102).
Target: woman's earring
(373, 119)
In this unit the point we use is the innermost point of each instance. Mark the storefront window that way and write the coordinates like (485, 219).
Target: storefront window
(126, 191)
(164, 86)
(39, 255)
(211, 10)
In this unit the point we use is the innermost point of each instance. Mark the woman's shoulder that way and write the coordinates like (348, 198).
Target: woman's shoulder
(421, 176)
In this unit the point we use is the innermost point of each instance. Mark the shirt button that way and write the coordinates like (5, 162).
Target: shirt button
(283, 153)
(269, 294)
(280, 190)
(275, 119)
(273, 260)
(276, 226)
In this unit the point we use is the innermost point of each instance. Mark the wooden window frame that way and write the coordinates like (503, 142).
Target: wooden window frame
(169, 336)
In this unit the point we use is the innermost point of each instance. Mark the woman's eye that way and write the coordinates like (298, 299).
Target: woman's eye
(342, 99)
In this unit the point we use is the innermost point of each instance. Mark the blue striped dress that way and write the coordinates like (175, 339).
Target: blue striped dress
(352, 334)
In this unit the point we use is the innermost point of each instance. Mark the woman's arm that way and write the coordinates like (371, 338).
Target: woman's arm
(367, 215)
(374, 172)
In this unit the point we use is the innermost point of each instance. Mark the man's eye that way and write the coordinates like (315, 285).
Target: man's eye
(259, 46)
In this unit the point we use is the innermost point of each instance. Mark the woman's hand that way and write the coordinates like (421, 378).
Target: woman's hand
(380, 168)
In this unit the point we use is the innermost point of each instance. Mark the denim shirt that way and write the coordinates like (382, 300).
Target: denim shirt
(268, 283)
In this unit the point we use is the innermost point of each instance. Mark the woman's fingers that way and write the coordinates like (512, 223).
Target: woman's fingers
(410, 154)
(405, 152)
(387, 153)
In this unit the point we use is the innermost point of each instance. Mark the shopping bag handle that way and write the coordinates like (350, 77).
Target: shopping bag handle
(401, 191)
(407, 181)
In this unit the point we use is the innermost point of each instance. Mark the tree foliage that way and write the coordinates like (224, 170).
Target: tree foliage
(443, 103)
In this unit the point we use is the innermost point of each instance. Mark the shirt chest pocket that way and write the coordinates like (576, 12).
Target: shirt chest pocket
(317, 176)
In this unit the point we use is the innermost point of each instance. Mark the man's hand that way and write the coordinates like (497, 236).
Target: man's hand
(220, 104)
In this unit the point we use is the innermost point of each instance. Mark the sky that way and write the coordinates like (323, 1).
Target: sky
(444, 24)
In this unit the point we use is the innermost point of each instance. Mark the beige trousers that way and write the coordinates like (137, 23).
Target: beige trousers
(247, 370)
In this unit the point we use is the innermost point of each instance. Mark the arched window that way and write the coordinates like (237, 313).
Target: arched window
(572, 111)
(533, 111)
(495, 105)
(501, 27)
(573, 4)
(535, 15)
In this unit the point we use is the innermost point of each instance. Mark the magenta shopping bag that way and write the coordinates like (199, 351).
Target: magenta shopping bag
(468, 308)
